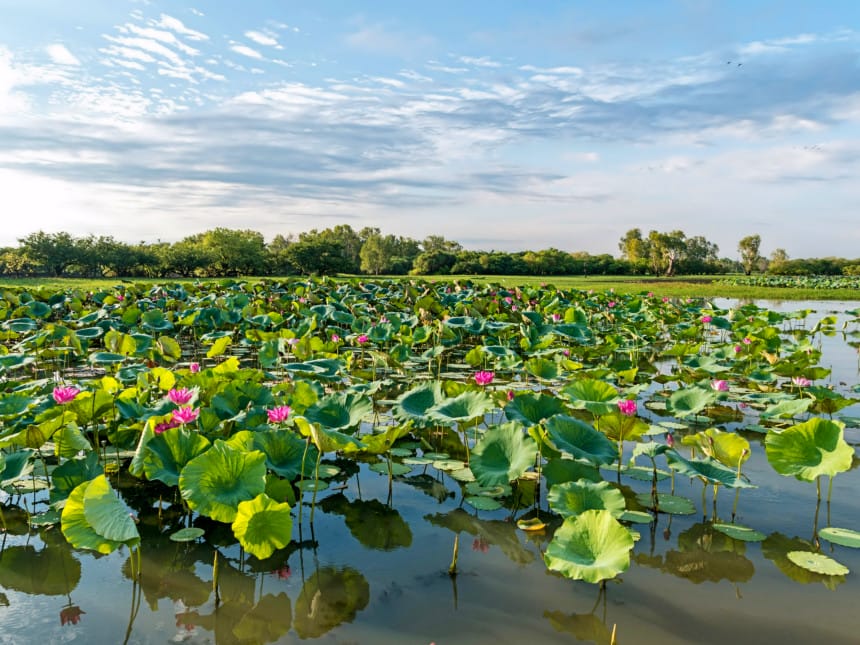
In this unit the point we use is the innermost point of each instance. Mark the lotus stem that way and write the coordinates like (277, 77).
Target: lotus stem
(818, 488)
(316, 481)
(829, 491)
(302, 476)
(215, 579)
(452, 570)
(612, 638)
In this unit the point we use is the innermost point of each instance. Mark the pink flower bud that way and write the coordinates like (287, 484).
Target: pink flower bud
(278, 414)
(63, 395)
(484, 378)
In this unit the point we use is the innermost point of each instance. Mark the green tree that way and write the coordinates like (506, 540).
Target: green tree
(315, 256)
(777, 260)
(633, 247)
(235, 252)
(748, 247)
(54, 252)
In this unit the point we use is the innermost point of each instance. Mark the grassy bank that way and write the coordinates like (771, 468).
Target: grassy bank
(681, 286)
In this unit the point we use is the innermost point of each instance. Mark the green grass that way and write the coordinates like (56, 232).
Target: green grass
(678, 287)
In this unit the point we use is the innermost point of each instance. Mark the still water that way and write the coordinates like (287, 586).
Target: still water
(377, 573)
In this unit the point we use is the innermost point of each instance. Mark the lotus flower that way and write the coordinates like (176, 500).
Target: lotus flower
(747, 340)
(65, 394)
(194, 367)
(292, 341)
(706, 319)
(163, 427)
(510, 395)
(627, 407)
(719, 385)
(180, 396)
(484, 378)
(335, 338)
(362, 339)
(670, 440)
(799, 381)
(185, 415)
(278, 414)
(610, 304)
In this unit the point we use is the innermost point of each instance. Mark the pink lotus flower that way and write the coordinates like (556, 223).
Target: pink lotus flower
(335, 338)
(738, 349)
(719, 385)
(510, 395)
(194, 367)
(566, 352)
(514, 308)
(120, 297)
(292, 341)
(63, 395)
(162, 427)
(610, 304)
(650, 294)
(484, 378)
(362, 339)
(706, 319)
(627, 407)
(556, 317)
(801, 381)
(508, 299)
(180, 396)
(670, 440)
(747, 340)
(185, 415)
(665, 298)
(278, 414)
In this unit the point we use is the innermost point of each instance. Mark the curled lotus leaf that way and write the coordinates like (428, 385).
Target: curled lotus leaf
(810, 449)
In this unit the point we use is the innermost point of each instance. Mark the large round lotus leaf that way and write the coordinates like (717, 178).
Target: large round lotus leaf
(396, 470)
(594, 395)
(743, 533)
(574, 498)
(777, 547)
(16, 465)
(542, 368)
(187, 535)
(99, 358)
(263, 525)
(482, 503)
(810, 449)
(371, 522)
(843, 537)
(503, 454)
(215, 482)
(107, 514)
(168, 452)
(818, 563)
(72, 473)
(381, 443)
(531, 409)
(581, 440)
(690, 400)
(330, 597)
(340, 411)
(53, 571)
(593, 546)
(707, 469)
(326, 440)
(78, 530)
(413, 405)
(619, 426)
(463, 407)
(284, 451)
(787, 409)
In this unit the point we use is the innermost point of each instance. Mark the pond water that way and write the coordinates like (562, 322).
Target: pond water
(373, 572)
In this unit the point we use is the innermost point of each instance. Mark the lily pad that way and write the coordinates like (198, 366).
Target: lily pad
(502, 455)
(483, 503)
(818, 563)
(187, 535)
(593, 546)
(263, 525)
(843, 537)
(671, 504)
(810, 449)
(737, 532)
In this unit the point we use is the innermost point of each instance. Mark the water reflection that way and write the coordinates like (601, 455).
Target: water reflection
(489, 532)
(776, 549)
(330, 597)
(703, 555)
(372, 523)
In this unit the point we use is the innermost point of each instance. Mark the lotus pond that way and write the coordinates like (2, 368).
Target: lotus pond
(413, 462)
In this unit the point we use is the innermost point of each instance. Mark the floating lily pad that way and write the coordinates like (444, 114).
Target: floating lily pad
(187, 535)
(817, 563)
(400, 452)
(396, 469)
(448, 464)
(737, 532)
(533, 524)
(417, 461)
(311, 485)
(843, 537)
(475, 488)
(483, 503)
(327, 471)
(671, 504)
(435, 456)
(636, 517)
(463, 474)
(593, 546)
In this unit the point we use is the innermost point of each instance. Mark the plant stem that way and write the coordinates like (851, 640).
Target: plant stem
(452, 570)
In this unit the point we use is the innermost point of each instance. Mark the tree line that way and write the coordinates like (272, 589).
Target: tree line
(223, 252)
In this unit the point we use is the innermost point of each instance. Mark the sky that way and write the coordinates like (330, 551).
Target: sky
(504, 125)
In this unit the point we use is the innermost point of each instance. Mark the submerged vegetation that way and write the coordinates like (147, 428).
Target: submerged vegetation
(239, 411)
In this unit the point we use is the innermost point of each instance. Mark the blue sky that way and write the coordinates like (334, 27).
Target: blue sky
(503, 125)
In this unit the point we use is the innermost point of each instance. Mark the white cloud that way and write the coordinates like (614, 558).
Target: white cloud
(61, 55)
(482, 61)
(174, 24)
(246, 51)
(261, 38)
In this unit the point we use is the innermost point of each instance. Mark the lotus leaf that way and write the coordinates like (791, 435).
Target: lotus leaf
(532, 409)
(503, 454)
(594, 395)
(464, 407)
(843, 537)
(168, 452)
(592, 547)
(574, 498)
(581, 440)
(342, 411)
(262, 525)
(810, 449)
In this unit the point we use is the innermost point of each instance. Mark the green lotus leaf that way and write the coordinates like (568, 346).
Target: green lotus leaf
(16, 465)
(396, 470)
(168, 452)
(690, 401)
(263, 525)
(187, 534)
(705, 364)
(503, 454)
(558, 471)
(810, 449)
(72, 473)
(326, 440)
(482, 503)
(828, 401)
(671, 504)
(377, 444)
(729, 448)
(843, 537)
(593, 546)
(216, 481)
(311, 485)
(52, 571)
(581, 440)
(817, 563)
(737, 532)
(574, 498)
(78, 530)
(531, 409)
(707, 469)
(594, 395)
(284, 451)
(542, 368)
(341, 411)
(636, 517)
(107, 514)
(777, 547)
(99, 358)
(619, 426)
(328, 598)
(787, 409)
(12, 405)
(464, 407)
